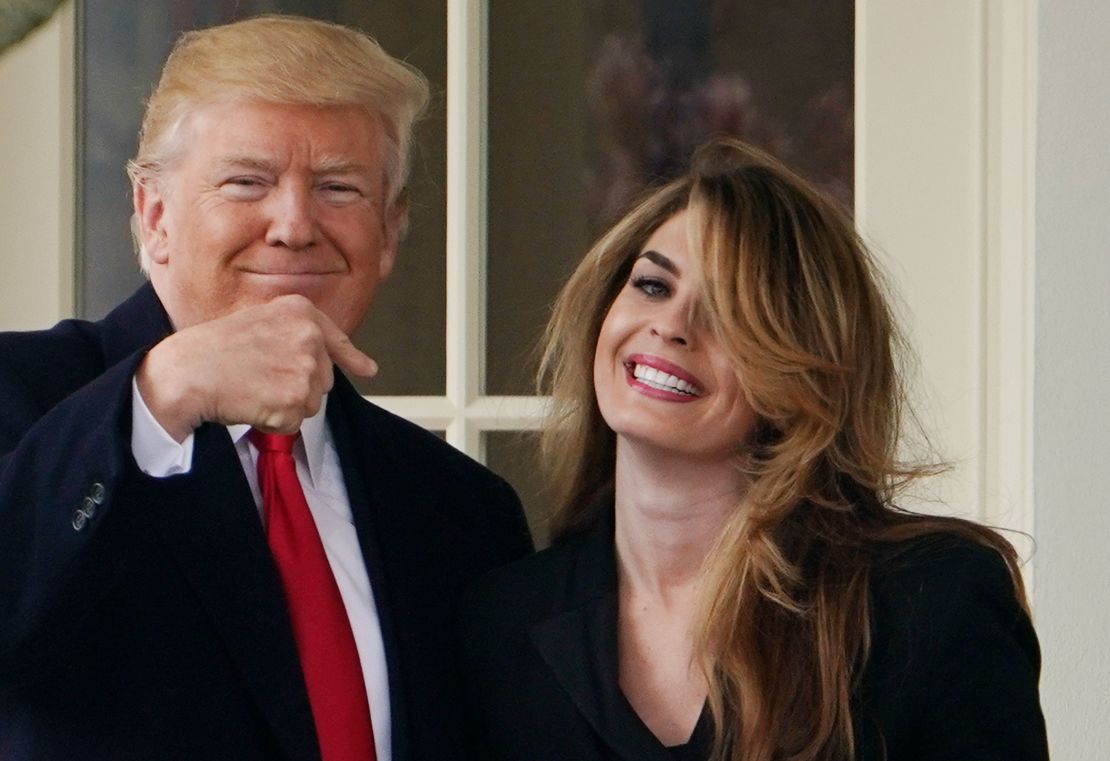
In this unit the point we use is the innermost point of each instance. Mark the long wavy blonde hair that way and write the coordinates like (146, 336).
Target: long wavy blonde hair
(792, 294)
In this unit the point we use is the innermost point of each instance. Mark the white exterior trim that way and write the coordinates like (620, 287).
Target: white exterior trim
(944, 188)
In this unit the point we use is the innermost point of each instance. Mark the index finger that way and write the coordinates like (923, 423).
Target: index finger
(344, 353)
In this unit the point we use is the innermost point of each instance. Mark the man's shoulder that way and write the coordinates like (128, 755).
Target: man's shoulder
(51, 360)
(47, 363)
(402, 442)
(63, 340)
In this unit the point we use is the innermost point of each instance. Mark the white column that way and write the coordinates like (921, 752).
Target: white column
(37, 177)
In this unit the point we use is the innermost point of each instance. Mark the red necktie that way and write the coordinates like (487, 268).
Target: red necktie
(321, 628)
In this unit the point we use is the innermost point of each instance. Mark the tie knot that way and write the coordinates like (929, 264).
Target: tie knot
(272, 442)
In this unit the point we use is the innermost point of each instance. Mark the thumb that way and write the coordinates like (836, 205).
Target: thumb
(345, 354)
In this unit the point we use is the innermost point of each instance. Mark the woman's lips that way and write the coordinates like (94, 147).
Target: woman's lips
(660, 379)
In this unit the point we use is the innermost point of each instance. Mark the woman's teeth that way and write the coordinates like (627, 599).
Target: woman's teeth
(658, 379)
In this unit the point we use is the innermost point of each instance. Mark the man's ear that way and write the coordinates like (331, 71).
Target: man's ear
(149, 221)
(396, 224)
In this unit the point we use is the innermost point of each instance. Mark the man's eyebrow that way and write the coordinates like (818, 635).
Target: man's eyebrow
(658, 259)
(340, 165)
(337, 165)
(248, 162)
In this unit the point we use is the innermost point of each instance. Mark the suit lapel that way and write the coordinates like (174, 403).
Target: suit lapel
(209, 521)
(346, 413)
(579, 644)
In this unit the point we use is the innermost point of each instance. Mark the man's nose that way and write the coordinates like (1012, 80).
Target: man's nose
(292, 218)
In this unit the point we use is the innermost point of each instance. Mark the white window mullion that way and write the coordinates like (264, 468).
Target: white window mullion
(466, 185)
(506, 413)
(436, 413)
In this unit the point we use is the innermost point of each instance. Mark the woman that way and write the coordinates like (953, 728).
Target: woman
(731, 578)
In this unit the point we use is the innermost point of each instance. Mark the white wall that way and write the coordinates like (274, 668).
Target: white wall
(37, 170)
(1072, 374)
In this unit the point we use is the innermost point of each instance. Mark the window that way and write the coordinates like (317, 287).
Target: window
(548, 118)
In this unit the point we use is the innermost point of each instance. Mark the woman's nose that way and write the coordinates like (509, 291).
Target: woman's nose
(672, 324)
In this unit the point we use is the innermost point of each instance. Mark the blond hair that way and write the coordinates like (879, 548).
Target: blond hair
(282, 59)
(794, 298)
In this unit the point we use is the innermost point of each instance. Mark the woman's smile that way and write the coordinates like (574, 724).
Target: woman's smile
(659, 379)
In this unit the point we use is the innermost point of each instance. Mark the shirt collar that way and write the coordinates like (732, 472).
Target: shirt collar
(313, 439)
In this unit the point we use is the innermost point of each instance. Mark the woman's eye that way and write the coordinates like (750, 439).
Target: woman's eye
(651, 286)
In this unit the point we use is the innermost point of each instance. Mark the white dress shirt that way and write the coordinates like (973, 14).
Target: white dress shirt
(321, 477)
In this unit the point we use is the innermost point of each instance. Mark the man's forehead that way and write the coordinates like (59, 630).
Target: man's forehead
(269, 136)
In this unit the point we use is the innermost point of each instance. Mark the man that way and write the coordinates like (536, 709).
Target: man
(210, 545)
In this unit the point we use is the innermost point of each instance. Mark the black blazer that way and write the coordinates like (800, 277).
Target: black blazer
(952, 673)
(156, 628)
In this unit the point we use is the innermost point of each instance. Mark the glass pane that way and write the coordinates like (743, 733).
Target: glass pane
(512, 454)
(122, 48)
(591, 101)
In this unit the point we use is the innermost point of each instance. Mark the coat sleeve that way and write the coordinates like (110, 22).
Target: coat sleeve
(62, 465)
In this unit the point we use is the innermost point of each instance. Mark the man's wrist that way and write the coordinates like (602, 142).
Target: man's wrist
(155, 450)
(164, 394)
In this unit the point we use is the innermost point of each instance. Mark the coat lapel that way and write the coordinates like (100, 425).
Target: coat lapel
(346, 412)
(138, 323)
(579, 645)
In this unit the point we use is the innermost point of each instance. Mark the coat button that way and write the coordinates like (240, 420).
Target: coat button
(79, 520)
(97, 493)
(88, 507)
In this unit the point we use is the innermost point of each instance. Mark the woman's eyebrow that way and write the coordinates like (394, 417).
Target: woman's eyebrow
(658, 259)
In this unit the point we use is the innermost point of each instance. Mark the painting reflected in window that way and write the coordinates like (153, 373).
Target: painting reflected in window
(664, 76)
(591, 102)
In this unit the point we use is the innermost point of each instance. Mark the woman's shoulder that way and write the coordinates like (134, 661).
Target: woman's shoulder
(940, 588)
(938, 564)
(949, 629)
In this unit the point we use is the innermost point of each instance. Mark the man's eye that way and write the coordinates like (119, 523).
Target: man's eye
(338, 192)
(243, 188)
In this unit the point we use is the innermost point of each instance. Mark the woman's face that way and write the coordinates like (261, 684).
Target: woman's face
(661, 380)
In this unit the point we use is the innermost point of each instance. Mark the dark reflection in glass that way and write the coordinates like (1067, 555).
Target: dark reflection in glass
(121, 50)
(590, 102)
(512, 454)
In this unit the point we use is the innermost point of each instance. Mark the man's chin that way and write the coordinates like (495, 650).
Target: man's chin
(307, 284)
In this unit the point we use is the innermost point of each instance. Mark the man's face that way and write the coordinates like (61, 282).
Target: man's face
(268, 199)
